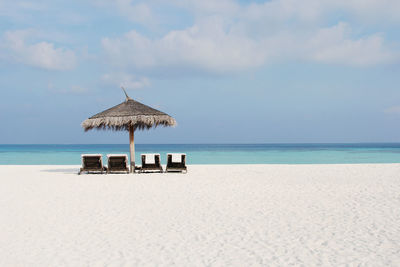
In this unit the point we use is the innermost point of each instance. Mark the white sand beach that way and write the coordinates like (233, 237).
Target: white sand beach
(215, 215)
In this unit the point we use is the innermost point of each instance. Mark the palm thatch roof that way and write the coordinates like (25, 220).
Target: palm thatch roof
(128, 114)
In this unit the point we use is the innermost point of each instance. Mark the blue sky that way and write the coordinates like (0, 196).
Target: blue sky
(228, 71)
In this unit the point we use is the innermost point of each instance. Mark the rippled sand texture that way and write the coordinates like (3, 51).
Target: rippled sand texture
(239, 215)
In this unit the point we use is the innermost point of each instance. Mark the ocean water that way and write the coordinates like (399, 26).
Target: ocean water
(210, 153)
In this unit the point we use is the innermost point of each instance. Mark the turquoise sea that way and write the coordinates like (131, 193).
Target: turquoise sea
(210, 153)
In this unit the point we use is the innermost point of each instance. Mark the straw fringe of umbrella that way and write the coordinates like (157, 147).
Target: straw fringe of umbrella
(140, 122)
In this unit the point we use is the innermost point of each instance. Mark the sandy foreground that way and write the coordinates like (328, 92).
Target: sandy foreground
(220, 215)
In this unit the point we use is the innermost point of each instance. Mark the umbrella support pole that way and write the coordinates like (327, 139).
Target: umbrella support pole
(132, 148)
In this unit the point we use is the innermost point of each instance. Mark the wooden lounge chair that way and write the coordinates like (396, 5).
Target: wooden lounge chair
(92, 163)
(151, 162)
(176, 162)
(117, 163)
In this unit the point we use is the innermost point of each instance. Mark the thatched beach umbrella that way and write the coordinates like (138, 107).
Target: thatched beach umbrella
(130, 115)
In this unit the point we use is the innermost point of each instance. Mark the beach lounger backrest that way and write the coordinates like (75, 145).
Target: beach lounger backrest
(176, 158)
(117, 161)
(151, 162)
(92, 161)
(176, 162)
(151, 159)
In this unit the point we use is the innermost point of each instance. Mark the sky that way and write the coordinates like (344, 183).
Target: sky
(228, 71)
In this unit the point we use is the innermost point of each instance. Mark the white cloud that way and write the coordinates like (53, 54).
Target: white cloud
(207, 45)
(40, 54)
(228, 36)
(125, 80)
(335, 45)
(217, 46)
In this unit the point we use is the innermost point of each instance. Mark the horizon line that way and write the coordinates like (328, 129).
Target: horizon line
(283, 143)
